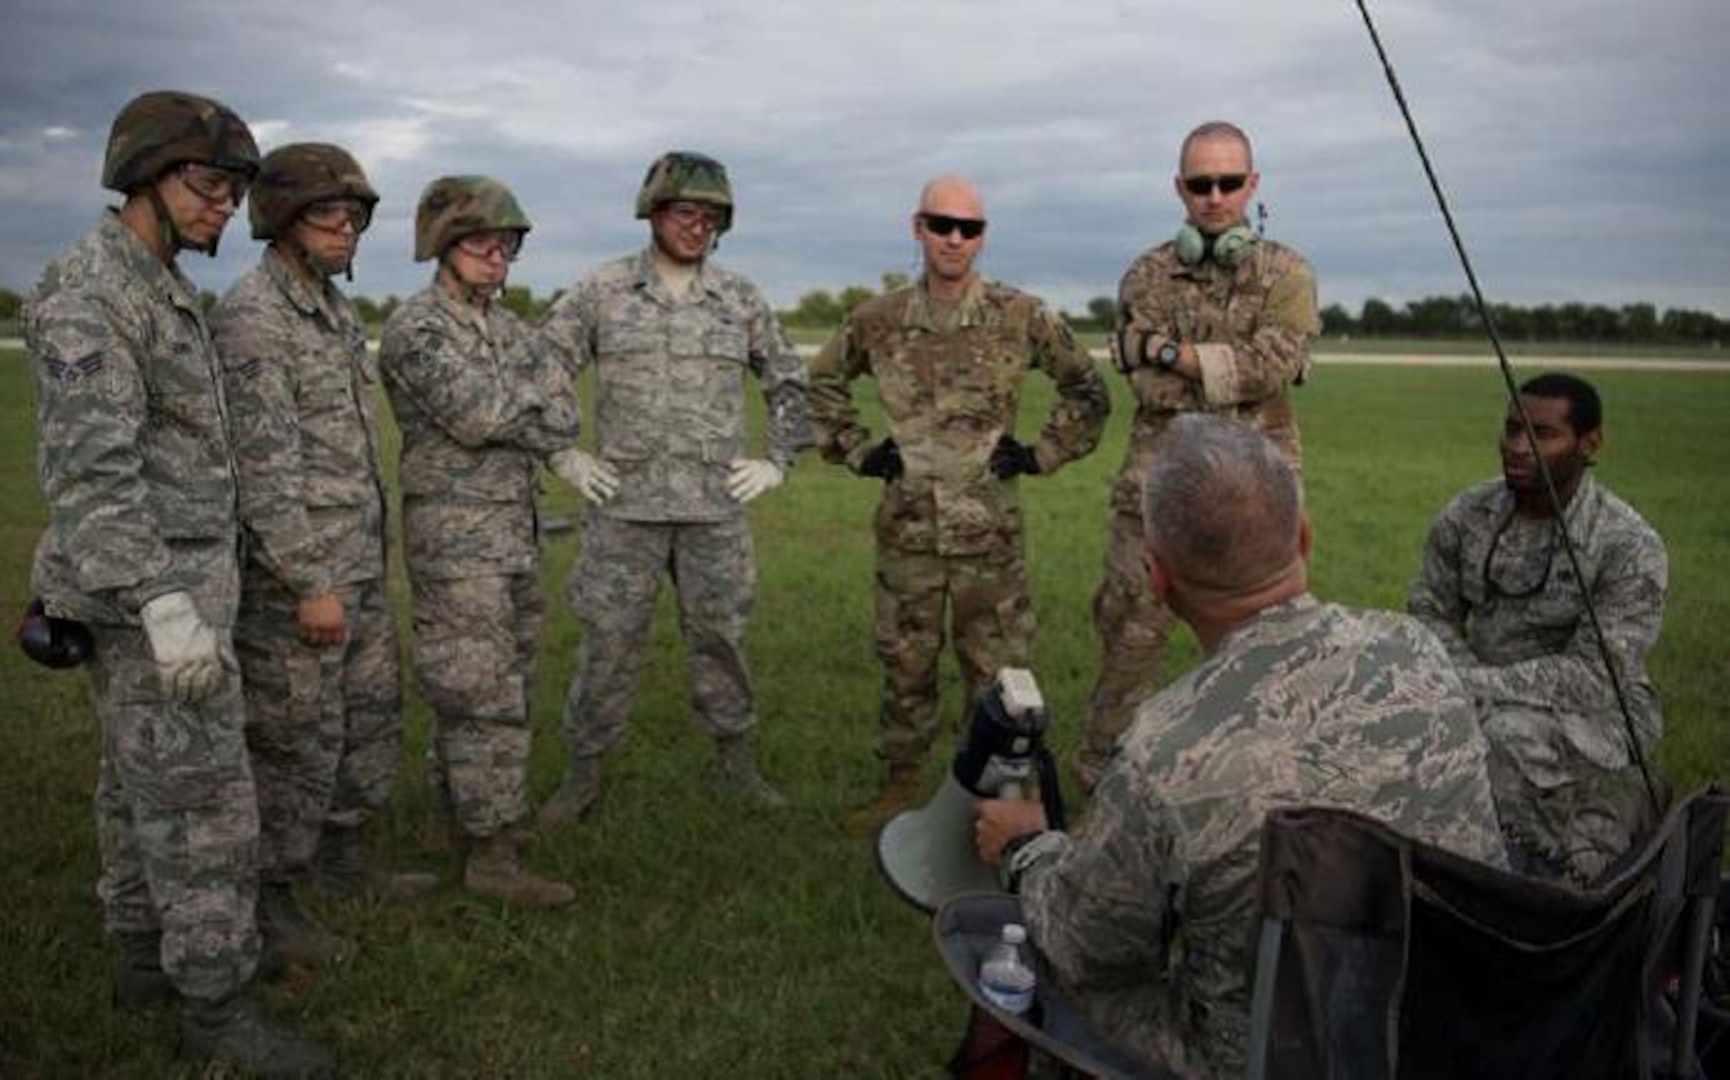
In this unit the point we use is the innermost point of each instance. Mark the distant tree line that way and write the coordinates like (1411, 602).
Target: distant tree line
(1433, 317)
(1457, 317)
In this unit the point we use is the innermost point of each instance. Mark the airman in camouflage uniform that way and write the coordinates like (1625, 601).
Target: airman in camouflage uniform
(671, 336)
(317, 639)
(1499, 591)
(949, 354)
(1148, 916)
(479, 408)
(1219, 321)
(141, 546)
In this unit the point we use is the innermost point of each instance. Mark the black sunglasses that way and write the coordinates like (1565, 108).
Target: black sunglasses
(943, 225)
(1227, 184)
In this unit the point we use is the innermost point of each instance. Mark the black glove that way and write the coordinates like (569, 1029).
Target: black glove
(1010, 459)
(883, 460)
(1131, 351)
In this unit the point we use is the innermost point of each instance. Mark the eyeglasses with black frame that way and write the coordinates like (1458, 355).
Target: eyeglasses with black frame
(212, 184)
(505, 244)
(1228, 184)
(1494, 588)
(332, 214)
(691, 214)
(943, 225)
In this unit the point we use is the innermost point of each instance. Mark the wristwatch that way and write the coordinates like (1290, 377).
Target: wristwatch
(1167, 356)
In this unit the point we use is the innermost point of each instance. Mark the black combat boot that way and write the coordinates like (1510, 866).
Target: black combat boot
(140, 981)
(228, 1033)
(343, 866)
(291, 935)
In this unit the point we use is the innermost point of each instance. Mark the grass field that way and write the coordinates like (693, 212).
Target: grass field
(710, 943)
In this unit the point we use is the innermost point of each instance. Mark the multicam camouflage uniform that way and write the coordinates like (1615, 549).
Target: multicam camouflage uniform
(948, 528)
(1251, 325)
(1571, 796)
(1148, 915)
(137, 472)
(324, 722)
(670, 417)
(478, 409)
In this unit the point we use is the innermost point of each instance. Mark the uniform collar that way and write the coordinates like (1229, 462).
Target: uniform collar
(464, 313)
(1501, 501)
(138, 258)
(1292, 609)
(644, 278)
(921, 311)
(307, 298)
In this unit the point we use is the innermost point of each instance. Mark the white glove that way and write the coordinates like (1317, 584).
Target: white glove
(750, 477)
(593, 478)
(188, 660)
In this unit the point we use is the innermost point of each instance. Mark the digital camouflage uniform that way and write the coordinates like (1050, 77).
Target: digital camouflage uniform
(1251, 326)
(324, 722)
(478, 408)
(1570, 795)
(948, 530)
(670, 416)
(1148, 916)
(137, 472)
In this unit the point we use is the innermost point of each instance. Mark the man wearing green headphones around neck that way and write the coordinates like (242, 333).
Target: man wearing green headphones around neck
(1217, 320)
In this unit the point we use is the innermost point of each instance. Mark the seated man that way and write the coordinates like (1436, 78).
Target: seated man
(1499, 591)
(1147, 916)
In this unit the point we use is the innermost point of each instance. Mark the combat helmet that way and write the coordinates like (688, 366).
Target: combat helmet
(295, 176)
(164, 128)
(680, 175)
(453, 207)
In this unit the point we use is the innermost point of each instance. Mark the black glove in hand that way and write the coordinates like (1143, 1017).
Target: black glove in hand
(1010, 459)
(1131, 351)
(883, 461)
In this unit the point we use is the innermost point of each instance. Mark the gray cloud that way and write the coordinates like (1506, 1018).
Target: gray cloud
(1582, 142)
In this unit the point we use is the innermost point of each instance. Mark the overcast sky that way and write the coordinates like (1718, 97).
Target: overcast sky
(1584, 144)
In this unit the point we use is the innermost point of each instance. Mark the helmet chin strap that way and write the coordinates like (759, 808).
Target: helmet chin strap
(304, 256)
(476, 294)
(165, 221)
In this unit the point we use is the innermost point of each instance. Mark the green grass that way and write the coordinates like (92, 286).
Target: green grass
(1473, 346)
(710, 943)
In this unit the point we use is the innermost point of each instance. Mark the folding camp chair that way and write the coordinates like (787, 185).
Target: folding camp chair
(965, 927)
(1381, 957)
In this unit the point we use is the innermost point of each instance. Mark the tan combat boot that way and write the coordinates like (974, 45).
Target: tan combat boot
(493, 870)
(576, 796)
(900, 788)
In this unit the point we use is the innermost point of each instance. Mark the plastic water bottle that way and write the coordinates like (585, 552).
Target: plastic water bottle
(1006, 978)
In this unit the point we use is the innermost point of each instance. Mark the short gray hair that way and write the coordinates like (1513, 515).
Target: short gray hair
(1221, 507)
(1216, 129)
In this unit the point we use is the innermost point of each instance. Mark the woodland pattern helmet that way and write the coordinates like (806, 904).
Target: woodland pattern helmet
(164, 128)
(682, 176)
(453, 207)
(295, 176)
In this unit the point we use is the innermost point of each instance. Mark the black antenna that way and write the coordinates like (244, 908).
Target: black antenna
(1514, 397)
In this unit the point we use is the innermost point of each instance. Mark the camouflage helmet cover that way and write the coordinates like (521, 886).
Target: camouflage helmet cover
(295, 176)
(680, 175)
(453, 207)
(164, 128)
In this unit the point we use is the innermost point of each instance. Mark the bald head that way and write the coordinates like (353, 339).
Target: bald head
(952, 196)
(1221, 507)
(1215, 131)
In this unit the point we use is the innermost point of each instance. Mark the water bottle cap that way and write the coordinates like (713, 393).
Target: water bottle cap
(1014, 933)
